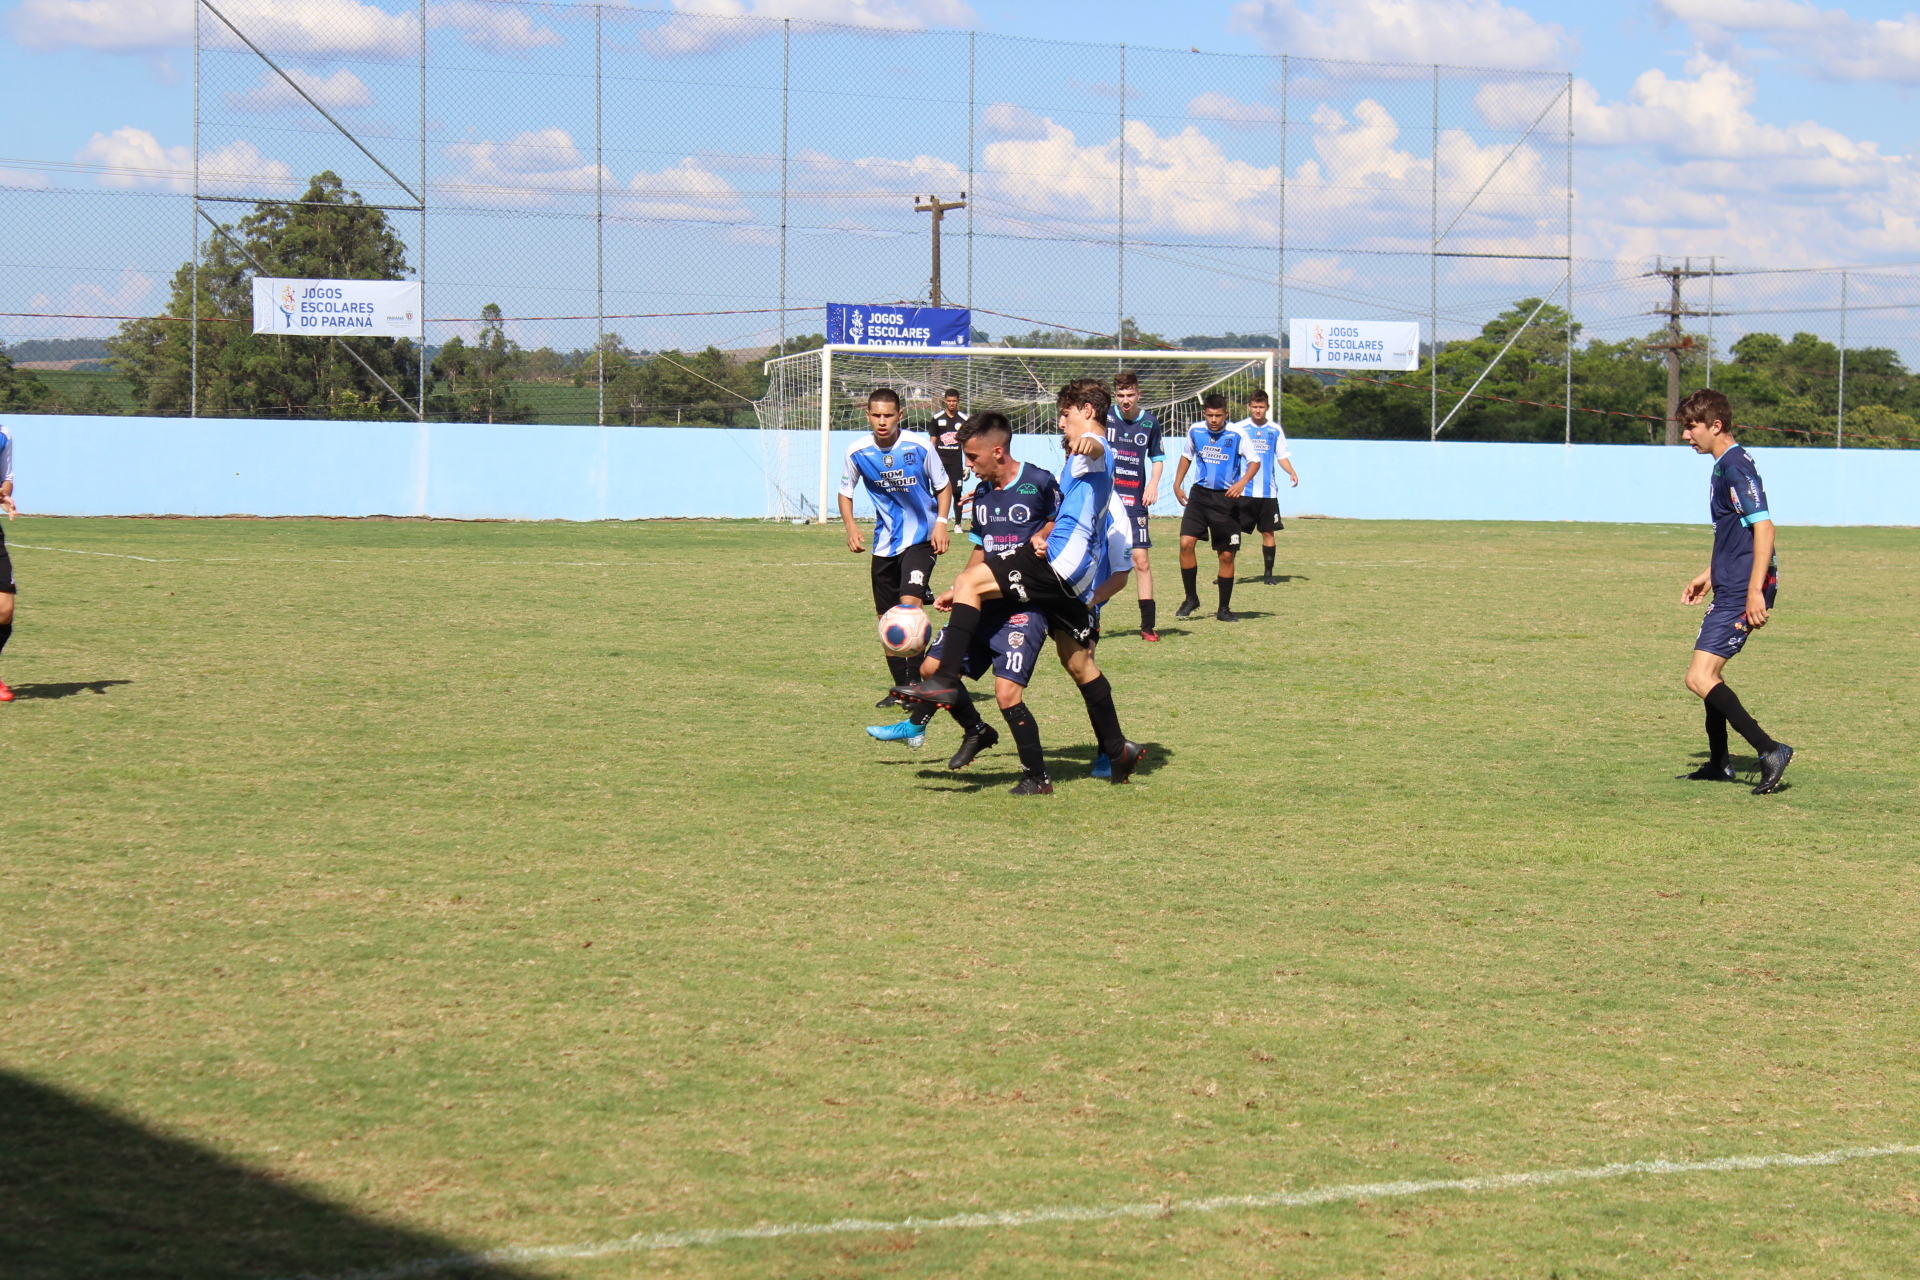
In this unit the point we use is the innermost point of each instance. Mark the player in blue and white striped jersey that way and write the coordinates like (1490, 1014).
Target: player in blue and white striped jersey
(1059, 580)
(6, 562)
(911, 496)
(1223, 464)
(1260, 504)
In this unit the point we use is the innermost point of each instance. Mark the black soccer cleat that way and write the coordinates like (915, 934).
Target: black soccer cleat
(891, 700)
(973, 744)
(1772, 765)
(1123, 765)
(1269, 580)
(937, 690)
(1033, 784)
(1227, 615)
(1186, 608)
(1711, 771)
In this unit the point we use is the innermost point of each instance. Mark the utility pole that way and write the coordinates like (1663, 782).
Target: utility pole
(1676, 341)
(939, 209)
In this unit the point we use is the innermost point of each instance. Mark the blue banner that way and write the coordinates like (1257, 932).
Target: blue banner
(870, 325)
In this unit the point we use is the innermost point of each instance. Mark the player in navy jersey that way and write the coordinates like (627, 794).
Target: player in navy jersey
(7, 589)
(1014, 503)
(1743, 577)
(1058, 580)
(1138, 458)
(911, 494)
(944, 430)
(1223, 463)
(1260, 506)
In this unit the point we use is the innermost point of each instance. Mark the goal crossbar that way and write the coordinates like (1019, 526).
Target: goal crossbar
(1234, 361)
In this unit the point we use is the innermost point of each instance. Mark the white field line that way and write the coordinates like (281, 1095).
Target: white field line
(655, 1241)
(109, 554)
(452, 564)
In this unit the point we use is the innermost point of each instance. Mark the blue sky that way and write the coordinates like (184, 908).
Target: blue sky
(1768, 132)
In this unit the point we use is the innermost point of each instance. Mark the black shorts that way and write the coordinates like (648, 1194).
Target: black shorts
(1137, 527)
(908, 574)
(1260, 515)
(1211, 513)
(1025, 578)
(6, 566)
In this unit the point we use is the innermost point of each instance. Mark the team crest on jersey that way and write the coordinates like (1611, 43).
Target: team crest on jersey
(886, 459)
(1019, 513)
(1017, 639)
(916, 577)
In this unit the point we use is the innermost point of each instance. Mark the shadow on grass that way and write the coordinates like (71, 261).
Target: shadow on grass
(1746, 773)
(65, 690)
(86, 1192)
(1000, 768)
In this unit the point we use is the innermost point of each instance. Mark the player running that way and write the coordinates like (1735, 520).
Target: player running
(1260, 507)
(1223, 462)
(1057, 580)
(1014, 503)
(911, 494)
(1743, 576)
(1133, 436)
(7, 589)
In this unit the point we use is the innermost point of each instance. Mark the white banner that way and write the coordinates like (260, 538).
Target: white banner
(338, 308)
(1353, 344)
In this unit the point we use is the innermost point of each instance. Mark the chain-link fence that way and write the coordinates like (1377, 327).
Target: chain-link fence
(594, 196)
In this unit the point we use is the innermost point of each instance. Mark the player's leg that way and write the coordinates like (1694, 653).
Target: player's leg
(1269, 521)
(971, 588)
(1143, 577)
(885, 573)
(1123, 755)
(1225, 547)
(1012, 698)
(1723, 633)
(1010, 653)
(1189, 572)
(6, 625)
(1703, 673)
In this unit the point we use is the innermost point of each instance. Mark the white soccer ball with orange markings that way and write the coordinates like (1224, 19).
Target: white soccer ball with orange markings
(905, 631)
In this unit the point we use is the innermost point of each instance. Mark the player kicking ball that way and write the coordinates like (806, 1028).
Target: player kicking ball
(1013, 502)
(911, 493)
(1057, 579)
(1743, 577)
(1223, 462)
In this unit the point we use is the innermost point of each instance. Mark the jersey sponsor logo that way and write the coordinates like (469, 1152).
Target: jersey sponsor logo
(1019, 619)
(1028, 488)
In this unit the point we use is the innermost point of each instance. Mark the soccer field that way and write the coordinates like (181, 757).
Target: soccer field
(380, 891)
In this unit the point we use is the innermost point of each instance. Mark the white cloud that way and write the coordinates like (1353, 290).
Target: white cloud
(491, 26)
(97, 300)
(1005, 120)
(876, 179)
(1464, 32)
(1213, 105)
(312, 27)
(538, 167)
(693, 29)
(133, 158)
(1830, 43)
(685, 192)
(340, 91)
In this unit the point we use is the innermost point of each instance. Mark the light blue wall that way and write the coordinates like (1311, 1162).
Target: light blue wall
(174, 466)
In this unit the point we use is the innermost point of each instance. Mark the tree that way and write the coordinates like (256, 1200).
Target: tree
(20, 390)
(329, 234)
(672, 387)
(479, 378)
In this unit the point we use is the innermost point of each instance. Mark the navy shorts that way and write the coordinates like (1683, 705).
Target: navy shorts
(1137, 527)
(1009, 650)
(1724, 630)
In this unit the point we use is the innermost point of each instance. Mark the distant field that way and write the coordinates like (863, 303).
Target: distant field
(381, 891)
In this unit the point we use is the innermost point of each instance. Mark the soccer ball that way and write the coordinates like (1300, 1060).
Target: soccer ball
(905, 631)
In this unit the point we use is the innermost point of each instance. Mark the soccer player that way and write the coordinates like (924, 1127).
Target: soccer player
(7, 589)
(1743, 576)
(945, 431)
(1260, 508)
(1014, 503)
(911, 494)
(1133, 436)
(1223, 462)
(1058, 580)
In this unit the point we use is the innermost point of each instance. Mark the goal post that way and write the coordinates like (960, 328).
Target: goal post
(817, 392)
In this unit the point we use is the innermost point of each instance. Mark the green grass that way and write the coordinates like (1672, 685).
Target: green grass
(468, 886)
(72, 385)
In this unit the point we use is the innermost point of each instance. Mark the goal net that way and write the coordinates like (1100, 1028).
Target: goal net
(813, 395)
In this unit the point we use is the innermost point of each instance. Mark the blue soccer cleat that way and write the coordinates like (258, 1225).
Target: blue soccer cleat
(1102, 767)
(914, 735)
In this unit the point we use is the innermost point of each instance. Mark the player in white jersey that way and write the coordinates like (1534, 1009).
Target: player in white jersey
(1260, 504)
(1059, 580)
(6, 562)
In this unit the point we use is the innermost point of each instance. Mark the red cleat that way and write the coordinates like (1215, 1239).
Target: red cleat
(1149, 635)
(6, 694)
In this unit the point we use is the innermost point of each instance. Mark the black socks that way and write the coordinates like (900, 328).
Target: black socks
(966, 716)
(1026, 736)
(1716, 736)
(1226, 591)
(902, 669)
(1103, 717)
(1147, 615)
(6, 633)
(1722, 699)
(964, 621)
(1190, 578)
(1266, 553)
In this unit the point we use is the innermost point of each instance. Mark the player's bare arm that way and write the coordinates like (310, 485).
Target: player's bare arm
(854, 542)
(1180, 481)
(1151, 494)
(1239, 486)
(1762, 561)
(6, 499)
(939, 536)
(1696, 591)
(1286, 465)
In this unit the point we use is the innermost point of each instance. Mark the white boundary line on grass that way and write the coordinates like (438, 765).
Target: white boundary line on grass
(575, 564)
(654, 1241)
(111, 555)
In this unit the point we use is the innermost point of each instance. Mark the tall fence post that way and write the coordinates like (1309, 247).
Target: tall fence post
(786, 119)
(599, 234)
(1277, 370)
(1568, 398)
(1120, 310)
(1840, 409)
(193, 228)
(1433, 273)
(421, 257)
